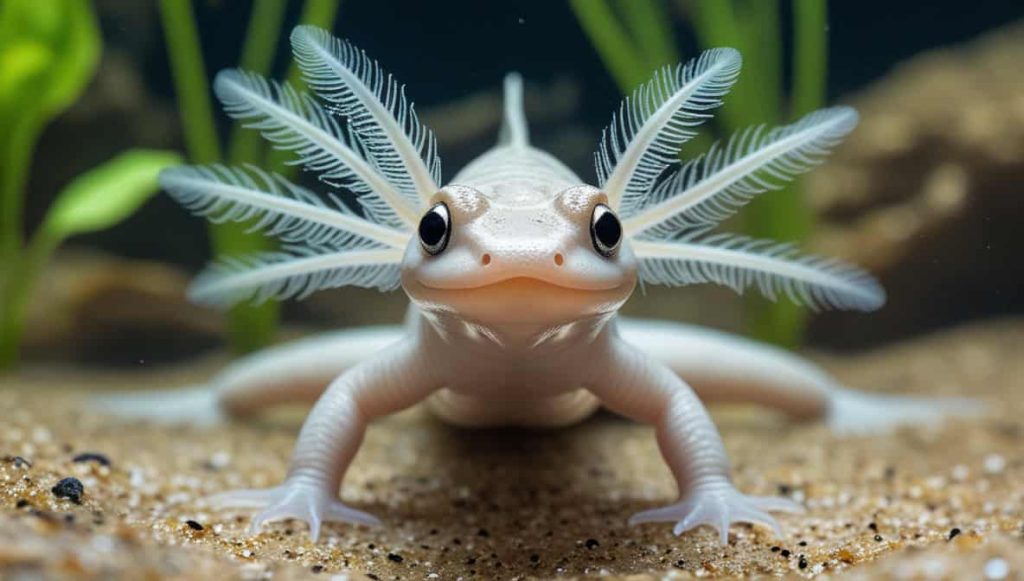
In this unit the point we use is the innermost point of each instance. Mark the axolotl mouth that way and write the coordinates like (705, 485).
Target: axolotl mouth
(522, 299)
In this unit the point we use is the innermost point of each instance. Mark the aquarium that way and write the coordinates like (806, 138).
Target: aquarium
(601, 288)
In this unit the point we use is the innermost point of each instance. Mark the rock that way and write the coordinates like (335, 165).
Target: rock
(926, 192)
(90, 307)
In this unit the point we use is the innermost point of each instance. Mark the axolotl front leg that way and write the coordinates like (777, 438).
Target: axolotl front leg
(395, 379)
(632, 383)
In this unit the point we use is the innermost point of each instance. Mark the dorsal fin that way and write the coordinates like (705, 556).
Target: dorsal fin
(514, 131)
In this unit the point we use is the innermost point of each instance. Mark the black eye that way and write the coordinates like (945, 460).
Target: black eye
(435, 229)
(605, 230)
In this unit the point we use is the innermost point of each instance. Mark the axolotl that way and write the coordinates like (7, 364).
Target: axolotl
(516, 271)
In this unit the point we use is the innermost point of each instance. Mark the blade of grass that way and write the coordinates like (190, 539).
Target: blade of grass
(245, 145)
(651, 30)
(254, 326)
(319, 13)
(191, 86)
(810, 55)
(785, 214)
(620, 57)
(250, 327)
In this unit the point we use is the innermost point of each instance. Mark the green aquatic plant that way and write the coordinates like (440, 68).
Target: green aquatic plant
(251, 326)
(48, 53)
(634, 37)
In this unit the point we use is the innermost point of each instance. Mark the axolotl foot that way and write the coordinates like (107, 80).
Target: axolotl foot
(306, 502)
(719, 506)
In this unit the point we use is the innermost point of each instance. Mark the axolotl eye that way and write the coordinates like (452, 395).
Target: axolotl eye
(605, 230)
(435, 229)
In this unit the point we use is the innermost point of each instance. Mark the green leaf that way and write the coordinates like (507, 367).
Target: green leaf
(58, 41)
(106, 194)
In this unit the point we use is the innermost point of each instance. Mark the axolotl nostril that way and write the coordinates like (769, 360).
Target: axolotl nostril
(515, 271)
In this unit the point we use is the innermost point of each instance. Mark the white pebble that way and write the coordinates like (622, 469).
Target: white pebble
(996, 569)
(960, 472)
(220, 460)
(994, 464)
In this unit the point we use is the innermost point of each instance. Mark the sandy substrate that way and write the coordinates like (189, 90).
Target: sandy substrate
(921, 503)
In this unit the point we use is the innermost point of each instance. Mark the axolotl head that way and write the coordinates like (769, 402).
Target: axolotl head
(548, 262)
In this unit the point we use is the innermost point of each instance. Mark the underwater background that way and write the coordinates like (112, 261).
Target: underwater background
(97, 96)
(872, 203)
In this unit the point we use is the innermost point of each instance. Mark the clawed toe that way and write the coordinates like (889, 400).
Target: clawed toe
(720, 509)
(304, 503)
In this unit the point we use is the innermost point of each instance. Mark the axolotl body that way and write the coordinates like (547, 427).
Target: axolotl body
(516, 271)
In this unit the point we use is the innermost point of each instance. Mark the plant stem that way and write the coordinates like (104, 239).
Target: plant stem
(190, 82)
(810, 55)
(17, 144)
(245, 145)
(620, 57)
(785, 215)
(651, 30)
(319, 13)
(23, 275)
(250, 327)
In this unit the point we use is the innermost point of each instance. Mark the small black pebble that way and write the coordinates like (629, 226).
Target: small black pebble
(592, 544)
(317, 568)
(18, 461)
(194, 525)
(878, 538)
(776, 549)
(22, 503)
(534, 558)
(70, 488)
(395, 558)
(679, 564)
(471, 561)
(785, 489)
(483, 533)
(371, 546)
(372, 576)
(802, 543)
(873, 527)
(92, 457)
(952, 533)
(785, 553)
(803, 562)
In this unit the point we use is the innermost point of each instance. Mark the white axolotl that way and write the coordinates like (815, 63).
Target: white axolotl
(516, 271)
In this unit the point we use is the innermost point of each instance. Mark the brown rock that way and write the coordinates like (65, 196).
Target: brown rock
(927, 194)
